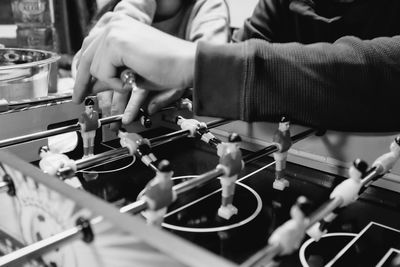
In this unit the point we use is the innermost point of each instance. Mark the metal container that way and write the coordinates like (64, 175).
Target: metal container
(27, 73)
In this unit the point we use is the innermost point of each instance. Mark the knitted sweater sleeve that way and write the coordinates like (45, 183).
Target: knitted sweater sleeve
(349, 85)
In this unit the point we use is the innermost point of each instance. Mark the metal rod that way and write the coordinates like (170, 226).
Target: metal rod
(216, 123)
(35, 250)
(135, 207)
(169, 137)
(110, 119)
(40, 101)
(260, 153)
(102, 158)
(153, 167)
(199, 180)
(44, 134)
(156, 141)
(273, 148)
(370, 177)
(141, 205)
(19, 257)
(265, 255)
(98, 158)
(324, 210)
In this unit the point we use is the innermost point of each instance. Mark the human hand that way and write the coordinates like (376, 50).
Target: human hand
(113, 103)
(126, 103)
(161, 61)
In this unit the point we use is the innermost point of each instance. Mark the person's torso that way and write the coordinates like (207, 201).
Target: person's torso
(91, 122)
(310, 21)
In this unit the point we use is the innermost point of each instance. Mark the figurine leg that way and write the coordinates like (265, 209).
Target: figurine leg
(85, 139)
(91, 149)
(155, 218)
(91, 143)
(85, 152)
(74, 182)
(90, 176)
(280, 182)
(227, 210)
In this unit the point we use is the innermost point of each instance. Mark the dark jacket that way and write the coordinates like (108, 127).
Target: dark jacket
(330, 64)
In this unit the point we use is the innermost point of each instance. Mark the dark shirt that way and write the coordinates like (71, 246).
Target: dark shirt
(283, 138)
(161, 194)
(331, 65)
(231, 158)
(91, 123)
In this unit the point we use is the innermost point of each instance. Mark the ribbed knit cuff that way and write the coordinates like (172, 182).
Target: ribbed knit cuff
(219, 80)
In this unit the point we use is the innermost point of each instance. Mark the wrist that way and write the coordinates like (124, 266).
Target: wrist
(188, 66)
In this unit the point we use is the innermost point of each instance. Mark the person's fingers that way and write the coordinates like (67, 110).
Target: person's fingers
(136, 100)
(97, 29)
(104, 67)
(110, 84)
(105, 100)
(104, 20)
(74, 64)
(94, 33)
(163, 99)
(85, 44)
(83, 80)
(118, 104)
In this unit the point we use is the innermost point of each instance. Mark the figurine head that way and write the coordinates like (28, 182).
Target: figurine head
(165, 170)
(284, 124)
(301, 209)
(43, 150)
(122, 132)
(164, 166)
(89, 103)
(358, 169)
(234, 138)
(395, 145)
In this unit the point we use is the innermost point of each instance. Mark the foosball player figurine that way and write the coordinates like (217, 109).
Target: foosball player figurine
(386, 162)
(230, 160)
(283, 141)
(51, 162)
(289, 235)
(197, 128)
(137, 145)
(348, 191)
(158, 194)
(89, 122)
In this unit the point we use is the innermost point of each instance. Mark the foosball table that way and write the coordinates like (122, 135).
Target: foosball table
(185, 191)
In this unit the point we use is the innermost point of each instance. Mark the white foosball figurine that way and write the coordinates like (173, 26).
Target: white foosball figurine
(289, 235)
(386, 162)
(283, 141)
(197, 128)
(51, 162)
(137, 145)
(347, 191)
(159, 194)
(231, 162)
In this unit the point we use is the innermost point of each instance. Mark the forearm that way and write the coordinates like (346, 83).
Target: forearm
(349, 85)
